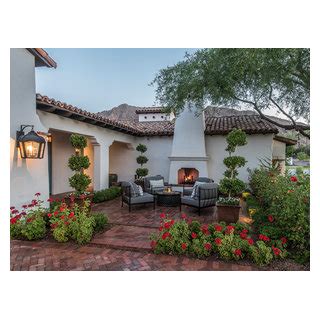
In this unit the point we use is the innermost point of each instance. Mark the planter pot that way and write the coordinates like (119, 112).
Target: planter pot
(229, 214)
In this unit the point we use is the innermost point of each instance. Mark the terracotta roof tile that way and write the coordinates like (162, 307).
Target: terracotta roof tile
(251, 124)
(150, 110)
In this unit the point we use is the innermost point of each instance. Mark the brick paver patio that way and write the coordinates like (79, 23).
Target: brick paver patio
(125, 246)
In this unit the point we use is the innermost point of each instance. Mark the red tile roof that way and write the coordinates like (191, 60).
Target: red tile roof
(42, 58)
(150, 110)
(251, 124)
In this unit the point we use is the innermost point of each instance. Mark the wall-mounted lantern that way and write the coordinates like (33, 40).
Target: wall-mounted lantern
(31, 145)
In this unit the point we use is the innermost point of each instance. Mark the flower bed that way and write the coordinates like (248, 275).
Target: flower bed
(230, 242)
(280, 208)
(65, 222)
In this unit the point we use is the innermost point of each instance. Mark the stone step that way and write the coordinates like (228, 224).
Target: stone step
(125, 237)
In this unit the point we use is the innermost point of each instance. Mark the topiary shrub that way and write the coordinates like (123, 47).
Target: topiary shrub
(230, 185)
(142, 159)
(78, 162)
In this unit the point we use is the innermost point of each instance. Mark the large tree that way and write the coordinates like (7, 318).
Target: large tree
(259, 78)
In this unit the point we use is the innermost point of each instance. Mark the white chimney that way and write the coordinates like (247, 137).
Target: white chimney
(188, 146)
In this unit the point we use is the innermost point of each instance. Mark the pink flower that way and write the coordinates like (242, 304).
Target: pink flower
(183, 216)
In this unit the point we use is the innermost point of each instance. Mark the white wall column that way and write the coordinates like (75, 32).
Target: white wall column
(101, 166)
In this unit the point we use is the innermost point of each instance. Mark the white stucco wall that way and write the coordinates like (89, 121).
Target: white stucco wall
(258, 147)
(27, 176)
(146, 117)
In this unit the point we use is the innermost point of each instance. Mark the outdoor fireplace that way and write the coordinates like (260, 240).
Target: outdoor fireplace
(187, 175)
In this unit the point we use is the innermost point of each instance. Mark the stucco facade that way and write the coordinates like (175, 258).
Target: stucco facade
(111, 151)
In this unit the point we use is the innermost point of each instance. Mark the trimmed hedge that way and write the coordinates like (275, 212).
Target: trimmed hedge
(106, 194)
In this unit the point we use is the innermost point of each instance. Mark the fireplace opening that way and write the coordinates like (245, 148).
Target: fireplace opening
(187, 175)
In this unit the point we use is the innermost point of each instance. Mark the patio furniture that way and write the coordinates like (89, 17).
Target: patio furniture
(188, 192)
(206, 196)
(169, 199)
(130, 198)
(152, 189)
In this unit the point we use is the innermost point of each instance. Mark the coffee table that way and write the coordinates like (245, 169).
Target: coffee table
(169, 199)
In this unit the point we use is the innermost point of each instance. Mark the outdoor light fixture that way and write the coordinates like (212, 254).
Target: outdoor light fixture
(31, 145)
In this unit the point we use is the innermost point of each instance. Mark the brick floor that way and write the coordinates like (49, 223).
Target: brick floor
(125, 246)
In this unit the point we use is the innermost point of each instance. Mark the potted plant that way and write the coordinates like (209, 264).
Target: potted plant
(141, 159)
(228, 207)
(78, 163)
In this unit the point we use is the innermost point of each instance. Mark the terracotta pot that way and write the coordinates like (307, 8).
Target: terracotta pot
(227, 213)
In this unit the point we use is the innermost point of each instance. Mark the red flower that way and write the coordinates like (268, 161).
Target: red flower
(160, 228)
(283, 240)
(37, 194)
(56, 213)
(62, 217)
(153, 244)
(15, 211)
(189, 221)
(218, 227)
(53, 225)
(217, 241)
(289, 191)
(23, 213)
(244, 231)
(172, 222)
(250, 241)
(25, 206)
(34, 202)
(243, 235)
(183, 246)
(29, 220)
(50, 200)
(82, 196)
(230, 229)
(13, 220)
(62, 208)
(276, 251)
(71, 215)
(208, 246)
(165, 235)
(167, 225)
(11, 208)
(263, 237)
(270, 218)
(193, 235)
(162, 215)
(294, 179)
(66, 223)
(205, 230)
(30, 205)
(49, 215)
(183, 216)
(237, 252)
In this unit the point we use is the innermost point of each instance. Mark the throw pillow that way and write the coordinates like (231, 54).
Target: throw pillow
(135, 192)
(140, 191)
(195, 192)
(156, 183)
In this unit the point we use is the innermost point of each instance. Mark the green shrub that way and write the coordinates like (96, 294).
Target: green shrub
(261, 254)
(142, 172)
(101, 221)
(82, 228)
(106, 194)
(61, 232)
(80, 182)
(78, 141)
(283, 208)
(142, 159)
(230, 185)
(29, 223)
(76, 163)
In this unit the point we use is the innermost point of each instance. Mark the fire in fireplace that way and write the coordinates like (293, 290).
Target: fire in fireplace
(187, 175)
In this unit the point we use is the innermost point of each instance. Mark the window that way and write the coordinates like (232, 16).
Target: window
(153, 117)
(145, 117)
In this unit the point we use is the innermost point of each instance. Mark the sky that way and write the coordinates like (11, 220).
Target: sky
(99, 79)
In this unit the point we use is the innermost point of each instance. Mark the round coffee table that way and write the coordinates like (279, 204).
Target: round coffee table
(169, 199)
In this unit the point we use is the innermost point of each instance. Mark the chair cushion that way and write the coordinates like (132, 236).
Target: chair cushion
(187, 200)
(147, 180)
(146, 198)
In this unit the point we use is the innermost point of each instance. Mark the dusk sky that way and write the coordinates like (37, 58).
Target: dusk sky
(99, 79)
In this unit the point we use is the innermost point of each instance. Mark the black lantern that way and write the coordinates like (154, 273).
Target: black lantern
(31, 145)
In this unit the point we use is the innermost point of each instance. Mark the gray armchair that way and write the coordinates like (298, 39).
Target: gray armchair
(188, 192)
(206, 196)
(129, 199)
(147, 186)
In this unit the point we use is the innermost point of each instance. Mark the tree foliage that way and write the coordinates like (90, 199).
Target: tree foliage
(259, 78)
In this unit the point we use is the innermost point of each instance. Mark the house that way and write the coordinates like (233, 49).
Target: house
(179, 148)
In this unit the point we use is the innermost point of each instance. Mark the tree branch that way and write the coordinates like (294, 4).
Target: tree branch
(301, 129)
